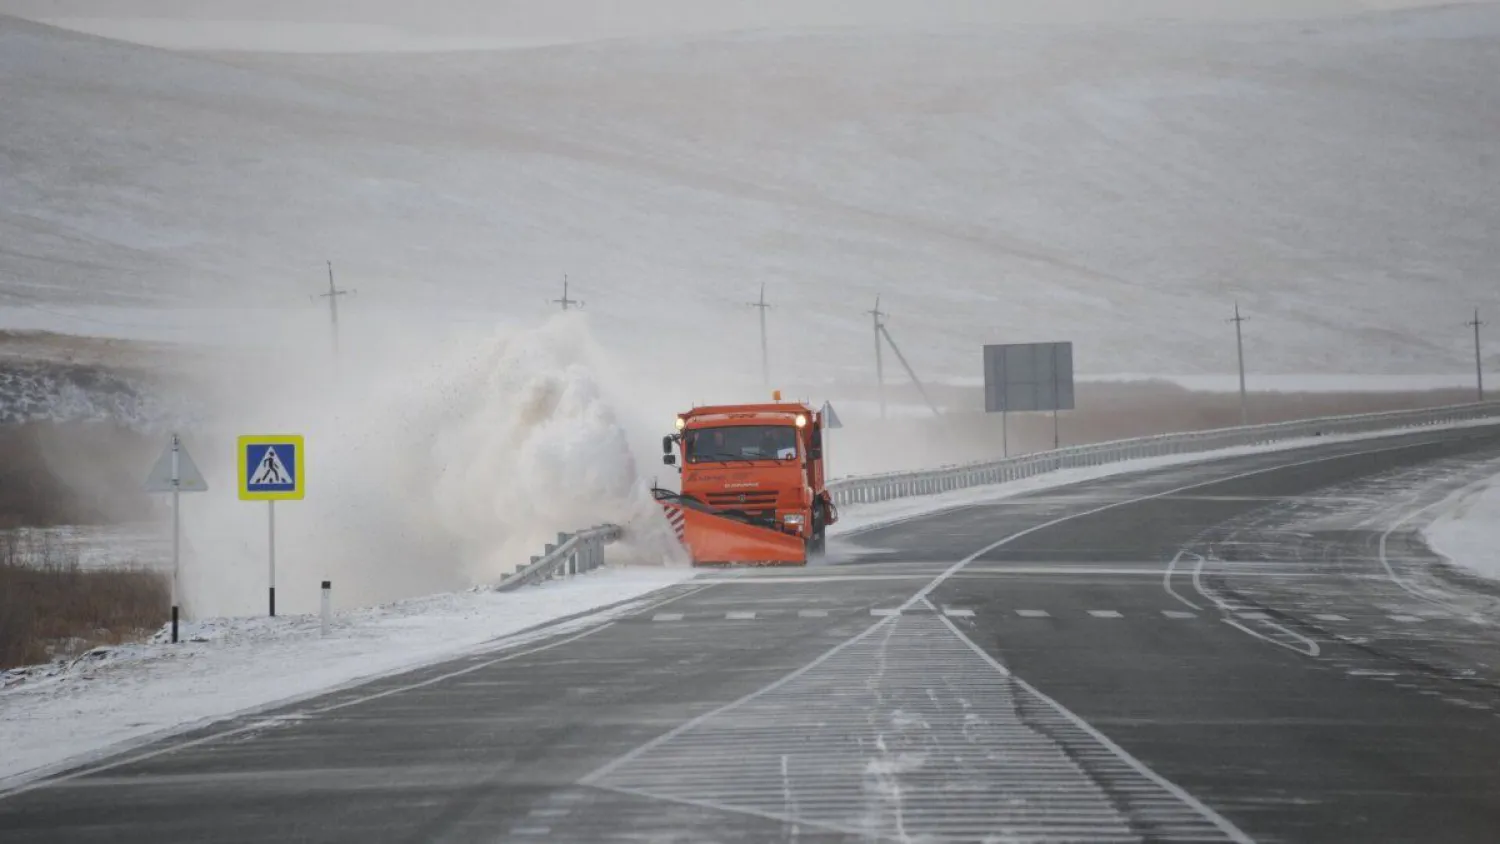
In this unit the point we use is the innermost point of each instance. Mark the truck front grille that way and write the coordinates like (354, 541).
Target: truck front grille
(747, 500)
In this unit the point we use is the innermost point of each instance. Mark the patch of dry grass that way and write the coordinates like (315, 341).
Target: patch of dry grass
(51, 608)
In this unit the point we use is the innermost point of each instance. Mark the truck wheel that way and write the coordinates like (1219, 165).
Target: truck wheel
(818, 542)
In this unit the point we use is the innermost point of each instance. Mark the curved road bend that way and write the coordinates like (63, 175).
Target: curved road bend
(1249, 649)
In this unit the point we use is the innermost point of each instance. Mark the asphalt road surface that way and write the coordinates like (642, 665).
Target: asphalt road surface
(1251, 649)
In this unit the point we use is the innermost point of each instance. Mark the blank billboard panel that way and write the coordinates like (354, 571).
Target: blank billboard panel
(1023, 377)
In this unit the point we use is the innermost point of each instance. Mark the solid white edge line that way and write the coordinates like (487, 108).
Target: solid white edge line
(1385, 537)
(121, 753)
(260, 725)
(959, 566)
(1166, 580)
(593, 777)
(1225, 826)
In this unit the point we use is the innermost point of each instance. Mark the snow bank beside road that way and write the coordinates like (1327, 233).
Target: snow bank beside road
(133, 693)
(1468, 531)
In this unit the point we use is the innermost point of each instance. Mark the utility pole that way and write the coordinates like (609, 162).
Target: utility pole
(909, 371)
(565, 301)
(1239, 344)
(1478, 365)
(879, 364)
(332, 296)
(765, 360)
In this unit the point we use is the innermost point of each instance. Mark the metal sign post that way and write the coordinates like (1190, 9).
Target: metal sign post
(272, 469)
(175, 472)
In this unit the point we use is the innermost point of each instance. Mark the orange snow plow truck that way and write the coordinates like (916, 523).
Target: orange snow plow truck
(752, 484)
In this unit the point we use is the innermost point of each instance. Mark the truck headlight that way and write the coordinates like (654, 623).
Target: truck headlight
(792, 518)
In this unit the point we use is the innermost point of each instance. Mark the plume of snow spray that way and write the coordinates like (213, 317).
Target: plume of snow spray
(428, 471)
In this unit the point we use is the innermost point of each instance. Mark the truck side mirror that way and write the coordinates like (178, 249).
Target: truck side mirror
(666, 444)
(669, 459)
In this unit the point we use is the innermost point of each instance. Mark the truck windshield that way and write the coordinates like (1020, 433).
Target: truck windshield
(741, 442)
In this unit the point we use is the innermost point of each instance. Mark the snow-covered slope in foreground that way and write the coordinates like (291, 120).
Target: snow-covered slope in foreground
(1116, 186)
(232, 665)
(1468, 531)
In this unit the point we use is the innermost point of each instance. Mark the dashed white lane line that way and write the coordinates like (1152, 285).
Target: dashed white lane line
(739, 615)
(550, 813)
(531, 830)
(1032, 613)
(812, 613)
(957, 612)
(1331, 616)
(1179, 614)
(1105, 614)
(1255, 616)
(885, 611)
(1407, 619)
(667, 616)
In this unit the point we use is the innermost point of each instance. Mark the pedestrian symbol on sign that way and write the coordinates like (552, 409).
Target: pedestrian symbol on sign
(271, 472)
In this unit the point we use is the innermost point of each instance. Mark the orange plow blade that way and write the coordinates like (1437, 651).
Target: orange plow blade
(718, 540)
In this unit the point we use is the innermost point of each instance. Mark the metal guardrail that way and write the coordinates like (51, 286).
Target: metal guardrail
(573, 553)
(874, 488)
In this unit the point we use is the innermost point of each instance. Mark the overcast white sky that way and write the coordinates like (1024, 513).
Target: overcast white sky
(329, 23)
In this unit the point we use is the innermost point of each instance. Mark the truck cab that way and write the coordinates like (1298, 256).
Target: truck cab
(758, 466)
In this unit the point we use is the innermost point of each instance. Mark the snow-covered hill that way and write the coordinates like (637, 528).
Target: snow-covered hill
(1117, 186)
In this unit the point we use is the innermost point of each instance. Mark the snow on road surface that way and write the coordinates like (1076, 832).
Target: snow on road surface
(1468, 530)
(134, 693)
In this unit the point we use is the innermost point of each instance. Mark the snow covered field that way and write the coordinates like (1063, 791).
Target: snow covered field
(1467, 531)
(130, 694)
(1115, 184)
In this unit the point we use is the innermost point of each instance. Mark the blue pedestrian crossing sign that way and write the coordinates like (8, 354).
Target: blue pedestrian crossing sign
(272, 467)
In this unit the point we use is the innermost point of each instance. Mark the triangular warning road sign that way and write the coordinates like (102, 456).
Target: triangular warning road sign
(189, 479)
(830, 419)
(271, 471)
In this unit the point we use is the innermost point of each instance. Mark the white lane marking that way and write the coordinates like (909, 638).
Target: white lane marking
(956, 612)
(886, 612)
(1255, 616)
(1033, 613)
(1105, 614)
(550, 813)
(812, 613)
(739, 615)
(595, 776)
(1330, 616)
(1233, 832)
(1178, 614)
(1062, 570)
(1308, 646)
(781, 580)
(1166, 578)
(258, 725)
(908, 753)
(1391, 572)
(531, 830)
(888, 617)
(961, 564)
(1407, 619)
(667, 616)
